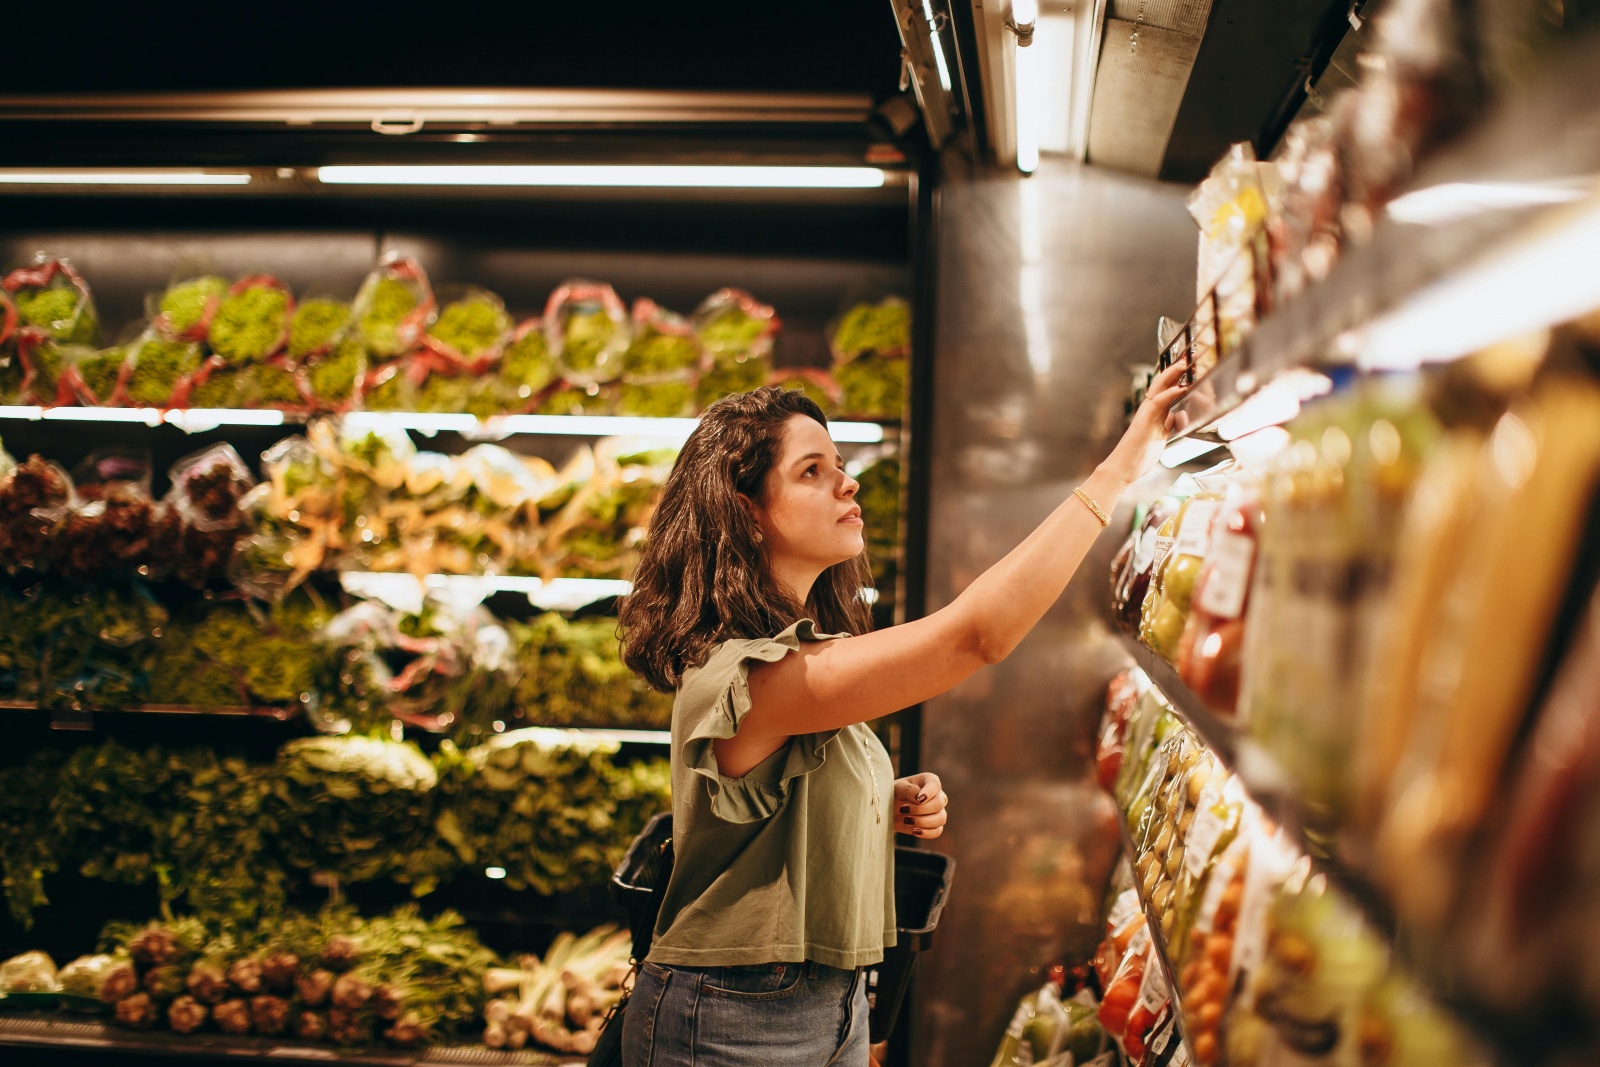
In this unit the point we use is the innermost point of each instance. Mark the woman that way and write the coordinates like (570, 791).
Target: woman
(747, 605)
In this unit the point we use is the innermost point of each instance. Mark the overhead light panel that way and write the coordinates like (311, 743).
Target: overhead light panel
(1185, 449)
(1452, 201)
(90, 176)
(1274, 403)
(1029, 88)
(619, 176)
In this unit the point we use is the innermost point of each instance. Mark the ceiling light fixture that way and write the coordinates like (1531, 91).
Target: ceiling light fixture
(1452, 201)
(1185, 449)
(1029, 88)
(609, 176)
(119, 177)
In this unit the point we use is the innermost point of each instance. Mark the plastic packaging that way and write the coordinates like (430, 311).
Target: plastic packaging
(394, 307)
(318, 327)
(661, 366)
(737, 333)
(185, 310)
(527, 366)
(883, 328)
(252, 322)
(814, 383)
(332, 380)
(53, 301)
(586, 326)
(1213, 639)
(469, 333)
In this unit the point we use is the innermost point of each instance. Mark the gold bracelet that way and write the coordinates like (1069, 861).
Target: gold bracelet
(1088, 501)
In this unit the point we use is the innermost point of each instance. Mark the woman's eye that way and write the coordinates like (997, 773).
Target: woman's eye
(811, 469)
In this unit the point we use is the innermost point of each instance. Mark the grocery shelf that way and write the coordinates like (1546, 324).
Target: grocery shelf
(83, 719)
(1157, 938)
(196, 420)
(41, 1030)
(1269, 787)
(1481, 248)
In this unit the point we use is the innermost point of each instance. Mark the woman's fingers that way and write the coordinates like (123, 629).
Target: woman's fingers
(917, 789)
(922, 825)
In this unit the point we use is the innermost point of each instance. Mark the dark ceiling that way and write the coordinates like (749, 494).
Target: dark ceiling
(817, 45)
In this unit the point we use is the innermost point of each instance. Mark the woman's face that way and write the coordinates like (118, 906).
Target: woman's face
(809, 517)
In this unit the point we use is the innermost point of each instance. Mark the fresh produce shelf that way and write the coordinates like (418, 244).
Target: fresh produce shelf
(40, 1030)
(1266, 783)
(195, 420)
(620, 735)
(1157, 938)
(1422, 288)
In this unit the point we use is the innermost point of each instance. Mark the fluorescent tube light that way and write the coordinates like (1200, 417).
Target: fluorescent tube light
(610, 176)
(1031, 105)
(119, 177)
(496, 873)
(1274, 403)
(21, 411)
(429, 422)
(1185, 449)
(193, 420)
(148, 416)
(1438, 204)
(1546, 279)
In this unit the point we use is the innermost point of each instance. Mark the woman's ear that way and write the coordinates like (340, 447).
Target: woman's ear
(752, 509)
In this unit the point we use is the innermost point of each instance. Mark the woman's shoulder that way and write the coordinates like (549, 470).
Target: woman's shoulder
(730, 660)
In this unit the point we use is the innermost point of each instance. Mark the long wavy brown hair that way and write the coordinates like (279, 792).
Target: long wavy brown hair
(703, 577)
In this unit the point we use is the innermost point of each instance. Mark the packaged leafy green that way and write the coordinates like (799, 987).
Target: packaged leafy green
(571, 399)
(872, 386)
(729, 375)
(391, 387)
(184, 312)
(394, 306)
(883, 328)
(318, 326)
(252, 322)
(657, 400)
(733, 325)
(471, 329)
(663, 347)
(53, 301)
(331, 379)
(163, 373)
(816, 384)
(586, 325)
(527, 366)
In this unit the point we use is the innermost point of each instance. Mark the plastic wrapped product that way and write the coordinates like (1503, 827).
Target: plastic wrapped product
(43, 362)
(332, 379)
(527, 366)
(884, 328)
(252, 323)
(53, 301)
(184, 312)
(1166, 609)
(164, 373)
(570, 399)
(728, 376)
(394, 307)
(730, 323)
(390, 387)
(1484, 658)
(586, 325)
(99, 377)
(206, 492)
(469, 333)
(1128, 595)
(1213, 639)
(317, 328)
(661, 365)
(872, 387)
(31, 972)
(816, 384)
(34, 498)
(483, 395)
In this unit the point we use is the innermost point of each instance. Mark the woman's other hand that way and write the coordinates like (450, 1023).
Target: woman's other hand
(1152, 424)
(919, 806)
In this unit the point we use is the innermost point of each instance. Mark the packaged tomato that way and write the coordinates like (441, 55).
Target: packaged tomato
(1122, 992)
(1153, 1003)
(1129, 593)
(1122, 696)
(1213, 639)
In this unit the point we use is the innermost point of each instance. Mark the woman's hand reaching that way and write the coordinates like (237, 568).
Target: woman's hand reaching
(919, 806)
(1152, 424)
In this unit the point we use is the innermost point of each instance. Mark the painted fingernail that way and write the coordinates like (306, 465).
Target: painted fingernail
(917, 832)
(911, 822)
(922, 798)
(905, 809)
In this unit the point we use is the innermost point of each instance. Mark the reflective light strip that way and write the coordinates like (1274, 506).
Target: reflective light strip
(614, 177)
(193, 419)
(119, 177)
(1183, 450)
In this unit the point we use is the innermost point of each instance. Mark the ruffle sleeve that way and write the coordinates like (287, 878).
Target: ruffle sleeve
(725, 702)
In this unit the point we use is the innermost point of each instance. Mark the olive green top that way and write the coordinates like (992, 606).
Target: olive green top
(792, 862)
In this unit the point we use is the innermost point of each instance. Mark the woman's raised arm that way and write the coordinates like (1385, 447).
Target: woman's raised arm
(832, 684)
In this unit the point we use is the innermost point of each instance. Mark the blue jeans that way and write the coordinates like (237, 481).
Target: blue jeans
(768, 1015)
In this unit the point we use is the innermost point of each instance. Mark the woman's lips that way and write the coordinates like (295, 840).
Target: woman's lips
(852, 517)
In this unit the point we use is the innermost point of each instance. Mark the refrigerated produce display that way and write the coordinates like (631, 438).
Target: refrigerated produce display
(315, 505)
(1352, 761)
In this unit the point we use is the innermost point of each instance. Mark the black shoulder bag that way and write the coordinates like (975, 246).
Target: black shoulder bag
(638, 884)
